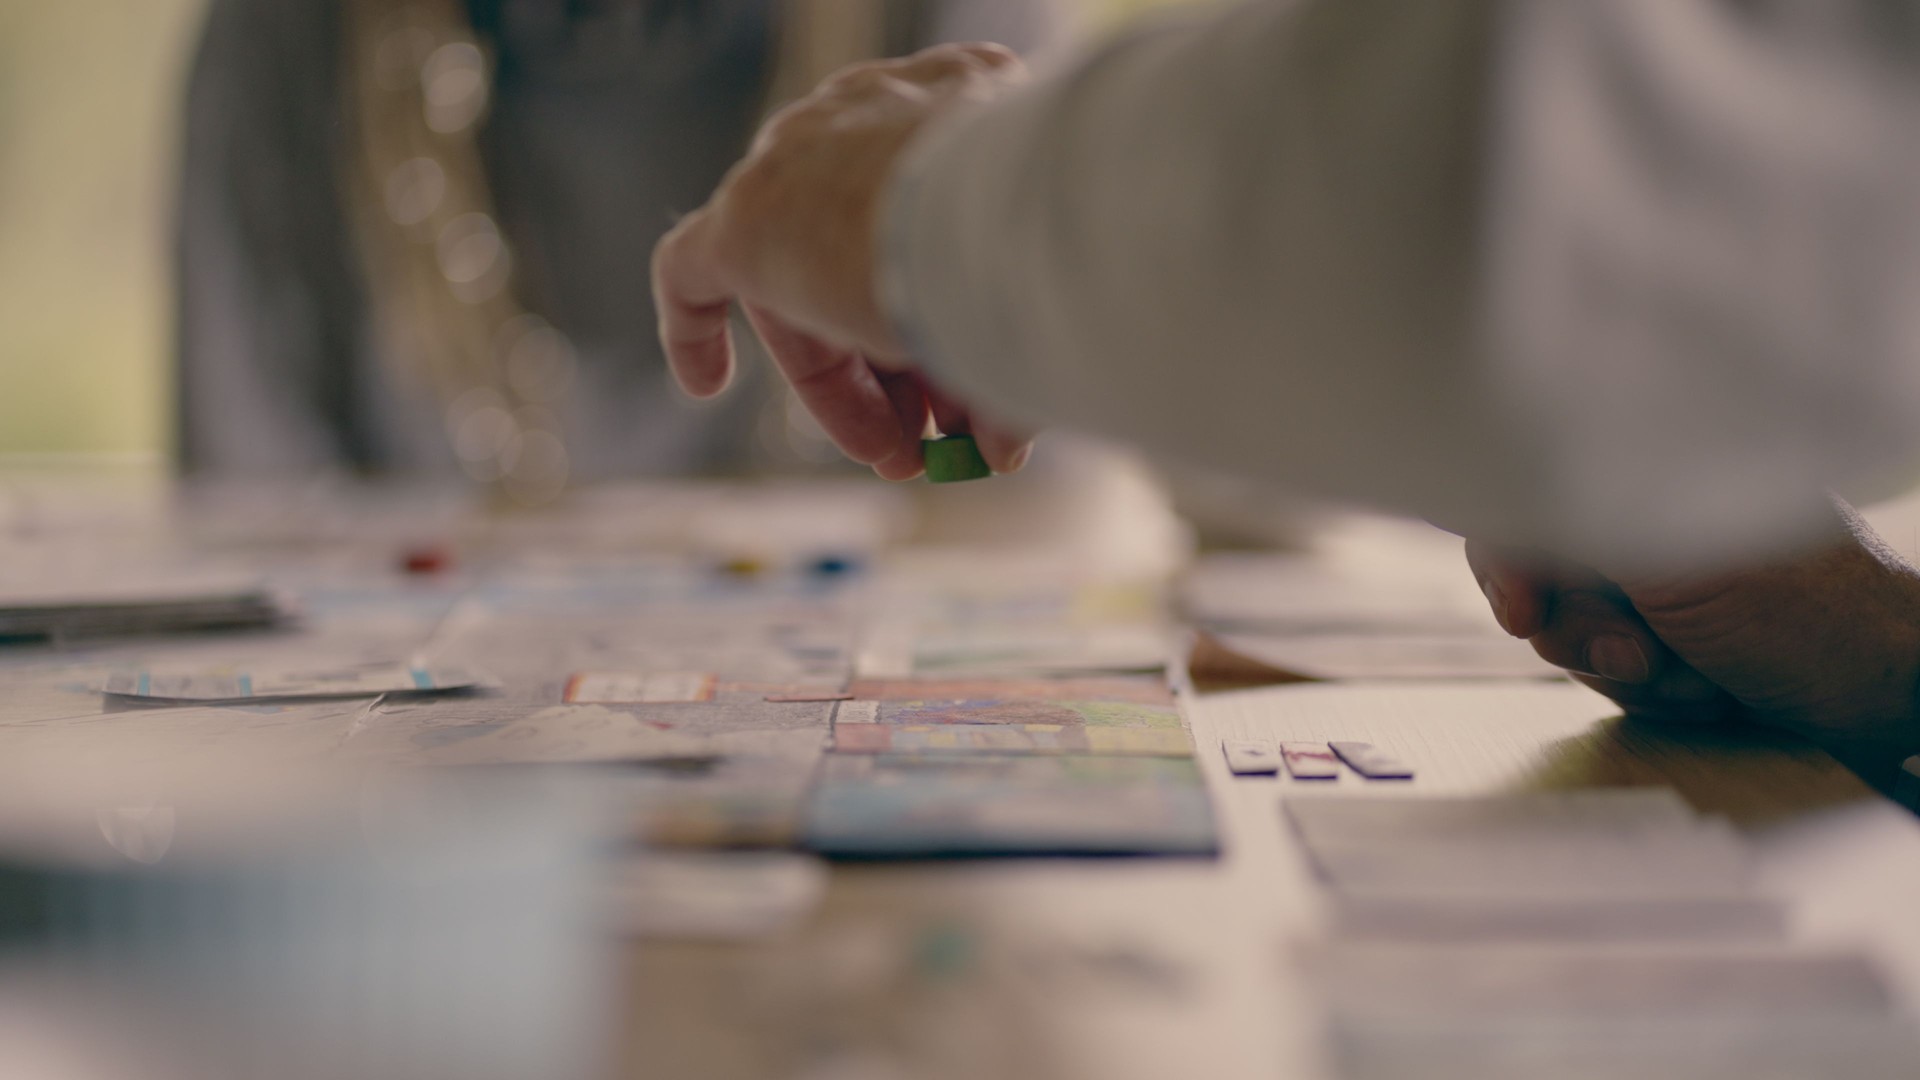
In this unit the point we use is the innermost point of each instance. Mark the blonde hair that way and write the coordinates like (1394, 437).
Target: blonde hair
(439, 266)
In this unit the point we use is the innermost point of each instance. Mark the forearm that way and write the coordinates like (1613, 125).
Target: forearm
(1247, 242)
(1528, 269)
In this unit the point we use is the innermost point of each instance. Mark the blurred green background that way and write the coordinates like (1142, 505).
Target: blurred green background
(89, 95)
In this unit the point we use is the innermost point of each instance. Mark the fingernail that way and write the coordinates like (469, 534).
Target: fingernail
(1618, 657)
(1497, 600)
(1020, 459)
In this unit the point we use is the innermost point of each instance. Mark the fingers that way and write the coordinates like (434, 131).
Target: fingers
(949, 415)
(1003, 449)
(995, 56)
(839, 388)
(692, 303)
(1516, 590)
(909, 396)
(1594, 634)
(959, 59)
(940, 64)
(1599, 637)
(1577, 620)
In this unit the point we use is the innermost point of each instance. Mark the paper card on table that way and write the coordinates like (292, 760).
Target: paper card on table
(1135, 689)
(241, 735)
(487, 731)
(1436, 982)
(1251, 757)
(1370, 761)
(1774, 1045)
(1627, 811)
(232, 685)
(1026, 648)
(1245, 658)
(1702, 861)
(1565, 920)
(1310, 761)
(856, 738)
(639, 687)
(909, 806)
(42, 691)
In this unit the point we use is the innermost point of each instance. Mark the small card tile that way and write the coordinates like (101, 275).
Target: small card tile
(638, 687)
(1310, 761)
(1251, 757)
(1371, 762)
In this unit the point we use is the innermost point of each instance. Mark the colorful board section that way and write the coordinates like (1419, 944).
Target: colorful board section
(1123, 716)
(891, 806)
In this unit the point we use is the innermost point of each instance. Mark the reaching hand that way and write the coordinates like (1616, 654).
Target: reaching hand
(791, 235)
(1826, 643)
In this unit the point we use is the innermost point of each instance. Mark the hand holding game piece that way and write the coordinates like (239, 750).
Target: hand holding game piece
(952, 459)
(791, 234)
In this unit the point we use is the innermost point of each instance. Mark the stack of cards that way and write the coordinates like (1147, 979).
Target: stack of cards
(101, 605)
(1608, 930)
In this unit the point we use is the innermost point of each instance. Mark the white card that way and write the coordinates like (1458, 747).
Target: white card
(1370, 761)
(639, 687)
(232, 685)
(1251, 757)
(1310, 761)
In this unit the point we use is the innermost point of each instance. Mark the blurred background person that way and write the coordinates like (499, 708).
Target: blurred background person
(412, 237)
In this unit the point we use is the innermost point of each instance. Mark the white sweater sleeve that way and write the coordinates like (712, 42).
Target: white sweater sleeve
(1379, 250)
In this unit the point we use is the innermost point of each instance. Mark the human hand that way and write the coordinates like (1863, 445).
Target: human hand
(1825, 643)
(791, 235)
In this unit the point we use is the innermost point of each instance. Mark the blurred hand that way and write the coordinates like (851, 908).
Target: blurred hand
(1825, 644)
(791, 235)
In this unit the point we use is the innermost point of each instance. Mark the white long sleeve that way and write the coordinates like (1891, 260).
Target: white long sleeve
(1614, 276)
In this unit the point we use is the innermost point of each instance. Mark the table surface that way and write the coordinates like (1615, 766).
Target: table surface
(1159, 967)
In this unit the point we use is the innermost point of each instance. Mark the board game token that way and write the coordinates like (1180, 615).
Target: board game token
(953, 459)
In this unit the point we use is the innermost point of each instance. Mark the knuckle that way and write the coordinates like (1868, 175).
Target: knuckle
(750, 189)
(956, 62)
(747, 201)
(997, 59)
(785, 124)
(1557, 650)
(946, 65)
(991, 52)
(857, 78)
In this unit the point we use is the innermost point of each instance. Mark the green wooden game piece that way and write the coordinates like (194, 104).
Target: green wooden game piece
(953, 459)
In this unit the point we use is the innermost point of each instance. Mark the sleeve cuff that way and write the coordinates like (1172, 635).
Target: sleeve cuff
(897, 283)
